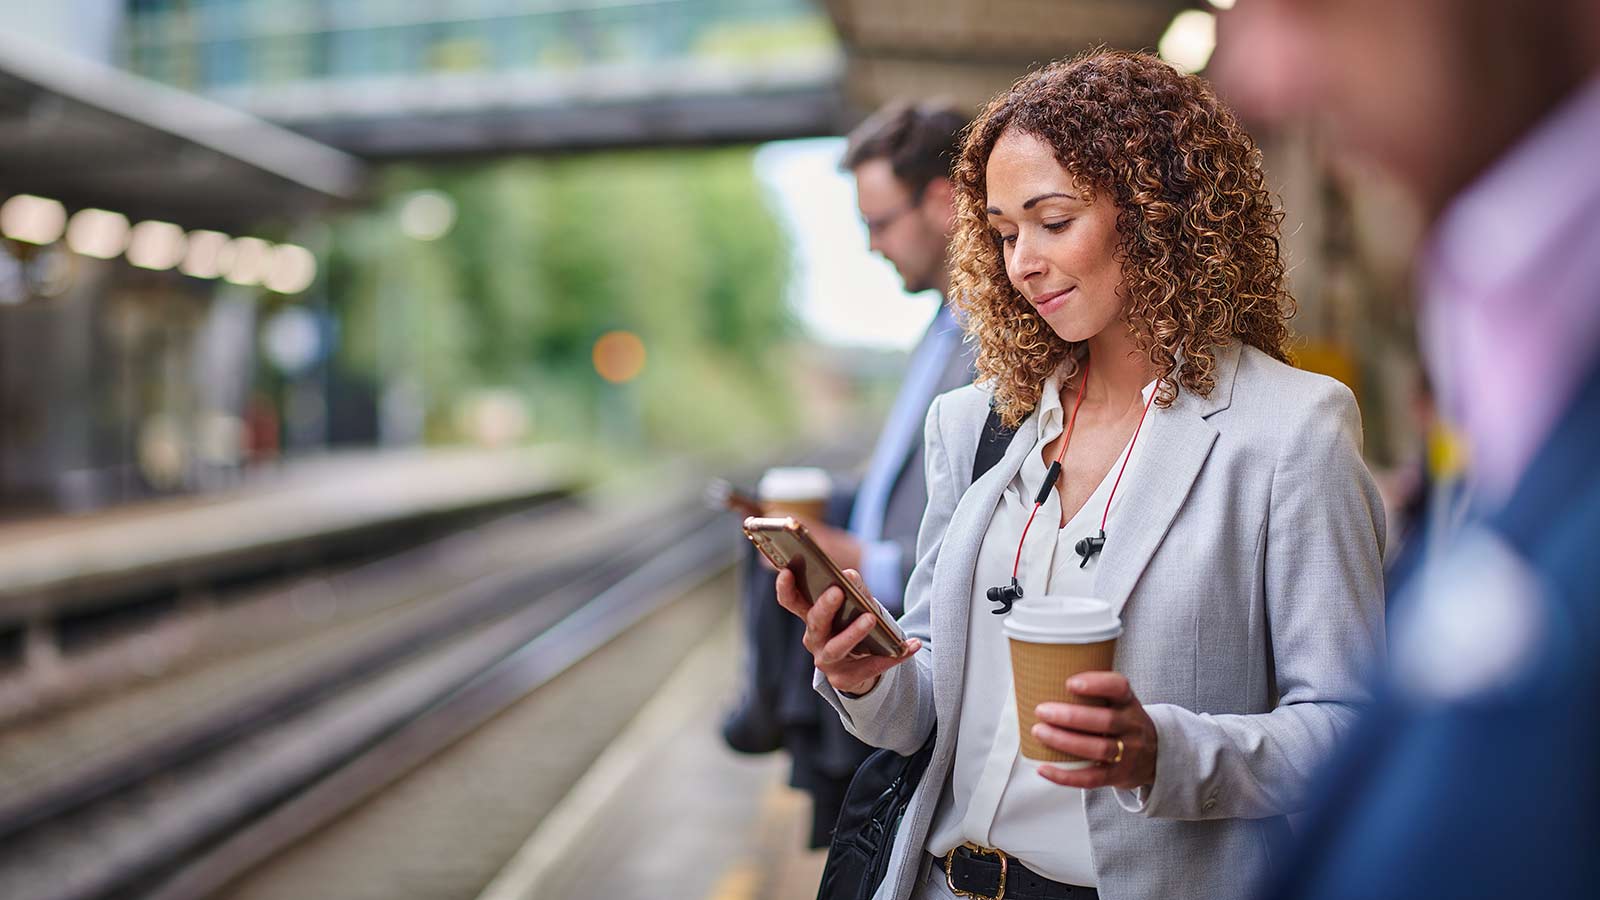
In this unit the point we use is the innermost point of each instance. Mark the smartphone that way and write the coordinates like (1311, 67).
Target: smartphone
(786, 544)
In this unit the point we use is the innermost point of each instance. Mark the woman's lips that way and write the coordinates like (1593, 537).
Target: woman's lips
(1049, 303)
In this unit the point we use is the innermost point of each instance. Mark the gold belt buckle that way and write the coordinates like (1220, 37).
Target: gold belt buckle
(949, 879)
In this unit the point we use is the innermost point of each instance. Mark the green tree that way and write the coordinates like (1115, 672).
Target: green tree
(678, 247)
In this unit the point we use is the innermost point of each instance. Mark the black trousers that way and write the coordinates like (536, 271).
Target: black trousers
(779, 702)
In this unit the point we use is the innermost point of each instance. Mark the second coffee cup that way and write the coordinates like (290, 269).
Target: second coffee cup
(795, 491)
(1053, 639)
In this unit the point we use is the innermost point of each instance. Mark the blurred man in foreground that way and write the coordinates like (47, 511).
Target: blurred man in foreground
(901, 159)
(1478, 775)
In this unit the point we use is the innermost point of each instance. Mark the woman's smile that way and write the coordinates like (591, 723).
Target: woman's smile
(1048, 304)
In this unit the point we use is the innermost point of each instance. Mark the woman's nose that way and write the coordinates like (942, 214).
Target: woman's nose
(1025, 262)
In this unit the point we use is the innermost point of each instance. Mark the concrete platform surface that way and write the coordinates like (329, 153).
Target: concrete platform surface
(668, 811)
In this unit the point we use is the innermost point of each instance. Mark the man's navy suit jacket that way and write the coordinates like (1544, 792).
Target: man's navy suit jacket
(1496, 793)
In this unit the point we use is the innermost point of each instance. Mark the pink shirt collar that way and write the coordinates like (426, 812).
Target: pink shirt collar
(1511, 292)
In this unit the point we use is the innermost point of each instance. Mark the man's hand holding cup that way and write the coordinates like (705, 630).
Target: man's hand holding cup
(802, 492)
(849, 671)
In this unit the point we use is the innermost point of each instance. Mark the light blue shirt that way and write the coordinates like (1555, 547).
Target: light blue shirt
(880, 559)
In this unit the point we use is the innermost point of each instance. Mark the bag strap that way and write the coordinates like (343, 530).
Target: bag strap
(992, 444)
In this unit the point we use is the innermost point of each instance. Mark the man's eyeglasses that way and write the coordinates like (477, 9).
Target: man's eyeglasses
(879, 224)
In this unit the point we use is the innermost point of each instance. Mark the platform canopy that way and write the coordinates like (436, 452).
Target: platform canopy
(969, 50)
(89, 135)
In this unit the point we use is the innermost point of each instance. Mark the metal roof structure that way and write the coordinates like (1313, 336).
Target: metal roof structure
(90, 135)
(669, 103)
(969, 50)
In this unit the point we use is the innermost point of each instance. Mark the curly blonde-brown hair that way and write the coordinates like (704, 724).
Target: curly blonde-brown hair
(1197, 230)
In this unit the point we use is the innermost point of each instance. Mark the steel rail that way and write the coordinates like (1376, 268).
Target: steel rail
(235, 818)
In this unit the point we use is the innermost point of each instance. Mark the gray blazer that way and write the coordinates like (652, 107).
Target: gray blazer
(1254, 609)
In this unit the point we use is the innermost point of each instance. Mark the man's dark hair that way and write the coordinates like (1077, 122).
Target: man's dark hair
(920, 141)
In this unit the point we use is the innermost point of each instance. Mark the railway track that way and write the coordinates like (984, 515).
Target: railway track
(181, 813)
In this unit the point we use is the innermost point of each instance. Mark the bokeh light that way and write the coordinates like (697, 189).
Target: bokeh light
(99, 233)
(292, 270)
(619, 356)
(1189, 40)
(251, 257)
(427, 215)
(156, 245)
(209, 253)
(33, 220)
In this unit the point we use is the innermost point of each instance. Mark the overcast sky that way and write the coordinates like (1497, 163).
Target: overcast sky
(843, 293)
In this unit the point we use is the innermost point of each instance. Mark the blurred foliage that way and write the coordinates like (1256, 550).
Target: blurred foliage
(747, 41)
(546, 255)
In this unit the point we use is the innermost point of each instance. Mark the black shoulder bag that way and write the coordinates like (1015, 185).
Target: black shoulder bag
(863, 838)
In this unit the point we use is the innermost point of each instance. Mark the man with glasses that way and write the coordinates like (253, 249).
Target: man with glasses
(901, 159)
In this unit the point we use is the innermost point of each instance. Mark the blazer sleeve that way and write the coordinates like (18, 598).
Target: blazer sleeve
(898, 712)
(1321, 566)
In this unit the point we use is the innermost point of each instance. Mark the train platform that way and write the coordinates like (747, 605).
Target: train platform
(89, 601)
(297, 502)
(608, 779)
(669, 811)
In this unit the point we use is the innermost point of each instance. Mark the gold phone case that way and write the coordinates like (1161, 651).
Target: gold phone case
(786, 544)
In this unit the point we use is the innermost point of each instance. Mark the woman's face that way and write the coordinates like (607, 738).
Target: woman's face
(1059, 250)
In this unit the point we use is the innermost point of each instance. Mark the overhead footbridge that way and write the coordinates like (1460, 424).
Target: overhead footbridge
(475, 78)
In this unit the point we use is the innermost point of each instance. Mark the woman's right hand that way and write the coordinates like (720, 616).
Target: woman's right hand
(834, 653)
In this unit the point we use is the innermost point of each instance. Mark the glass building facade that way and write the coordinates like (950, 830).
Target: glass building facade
(220, 46)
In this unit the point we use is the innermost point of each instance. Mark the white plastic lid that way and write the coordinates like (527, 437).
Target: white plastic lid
(795, 484)
(1062, 620)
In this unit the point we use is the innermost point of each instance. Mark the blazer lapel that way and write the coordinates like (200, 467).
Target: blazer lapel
(1179, 440)
(958, 558)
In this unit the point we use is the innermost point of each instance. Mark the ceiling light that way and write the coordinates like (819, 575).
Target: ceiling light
(33, 220)
(1189, 40)
(156, 245)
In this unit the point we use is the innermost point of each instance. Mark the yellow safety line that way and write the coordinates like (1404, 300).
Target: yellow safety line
(738, 883)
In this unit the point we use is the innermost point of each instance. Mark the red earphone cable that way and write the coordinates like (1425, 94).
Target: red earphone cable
(1060, 455)
(1016, 563)
(1107, 514)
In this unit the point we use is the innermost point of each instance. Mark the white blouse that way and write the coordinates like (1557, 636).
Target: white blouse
(995, 798)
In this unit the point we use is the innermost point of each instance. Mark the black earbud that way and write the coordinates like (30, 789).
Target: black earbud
(1005, 596)
(1088, 547)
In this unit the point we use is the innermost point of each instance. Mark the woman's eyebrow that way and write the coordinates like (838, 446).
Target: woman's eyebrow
(1035, 201)
(1050, 196)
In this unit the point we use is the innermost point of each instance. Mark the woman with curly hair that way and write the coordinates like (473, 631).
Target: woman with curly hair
(1117, 259)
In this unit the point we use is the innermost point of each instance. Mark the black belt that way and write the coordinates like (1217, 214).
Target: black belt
(973, 871)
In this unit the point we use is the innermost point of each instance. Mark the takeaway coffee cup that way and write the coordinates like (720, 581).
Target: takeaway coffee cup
(1053, 639)
(799, 492)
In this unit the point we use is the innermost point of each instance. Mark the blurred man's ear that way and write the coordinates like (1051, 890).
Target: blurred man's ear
(938, 202)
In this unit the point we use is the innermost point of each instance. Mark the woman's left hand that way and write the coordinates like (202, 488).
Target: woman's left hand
(1094, 732)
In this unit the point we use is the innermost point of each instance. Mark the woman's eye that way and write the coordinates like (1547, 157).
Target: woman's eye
(1057, 226)
(1005, 239)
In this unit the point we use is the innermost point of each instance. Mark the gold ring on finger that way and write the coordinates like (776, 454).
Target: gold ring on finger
(1118, 758)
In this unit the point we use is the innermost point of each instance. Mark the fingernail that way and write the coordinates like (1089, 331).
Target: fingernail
(1075, 684)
